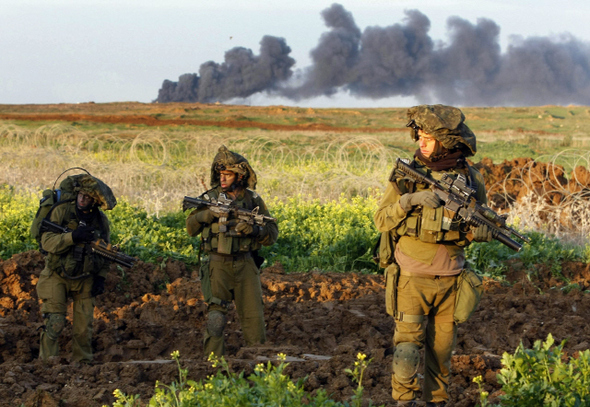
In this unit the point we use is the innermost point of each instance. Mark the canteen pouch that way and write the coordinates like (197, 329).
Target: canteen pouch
(469, 292)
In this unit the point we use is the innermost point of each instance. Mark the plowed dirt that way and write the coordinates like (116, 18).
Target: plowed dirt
(320, 320)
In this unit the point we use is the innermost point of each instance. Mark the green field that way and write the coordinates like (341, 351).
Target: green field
(321, 177)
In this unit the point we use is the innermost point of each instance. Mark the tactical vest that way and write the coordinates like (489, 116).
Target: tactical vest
(436, 225)
(78, 262)
(234, 245)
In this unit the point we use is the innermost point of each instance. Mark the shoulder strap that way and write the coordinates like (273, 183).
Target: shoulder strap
(55, 205)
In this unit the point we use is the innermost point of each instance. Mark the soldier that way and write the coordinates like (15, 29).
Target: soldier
(72, 270)
(428, 254)
(230, 271)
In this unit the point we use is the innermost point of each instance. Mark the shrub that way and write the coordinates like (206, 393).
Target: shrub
(544, 376)
(267, 386)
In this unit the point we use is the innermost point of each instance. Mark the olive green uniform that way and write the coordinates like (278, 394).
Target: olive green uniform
(232, 275)
(425, 303)
(428, 246)
(68, 272)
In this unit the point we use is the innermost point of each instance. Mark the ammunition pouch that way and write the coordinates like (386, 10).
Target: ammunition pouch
(469, 293)
(216, 242)
(78, 253)
(433, 226)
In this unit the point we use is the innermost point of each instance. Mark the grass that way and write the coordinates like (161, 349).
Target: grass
(155, 167)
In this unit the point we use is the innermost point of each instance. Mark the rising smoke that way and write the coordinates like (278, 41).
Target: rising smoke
(401, 60)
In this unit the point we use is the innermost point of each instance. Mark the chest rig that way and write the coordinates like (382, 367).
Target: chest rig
(220, 236)
(437, 225)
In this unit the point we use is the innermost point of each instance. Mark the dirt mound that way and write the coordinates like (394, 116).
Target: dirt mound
(510, 181)
(320, 320)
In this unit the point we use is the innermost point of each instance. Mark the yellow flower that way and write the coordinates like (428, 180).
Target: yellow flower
(213, 359)
(175, 354)
(361, 356)
(282, 356)
(478, 379)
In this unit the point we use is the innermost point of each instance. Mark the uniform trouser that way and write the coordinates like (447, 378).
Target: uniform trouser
(53, 291)
(434, 298)
(236, 279)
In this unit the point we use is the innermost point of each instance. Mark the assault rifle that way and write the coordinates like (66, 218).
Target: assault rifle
(99, 246)
(459, 199)
(224, 207)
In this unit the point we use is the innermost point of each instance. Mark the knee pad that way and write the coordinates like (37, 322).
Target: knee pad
(406, 360)
(54, 324)
(215, 323)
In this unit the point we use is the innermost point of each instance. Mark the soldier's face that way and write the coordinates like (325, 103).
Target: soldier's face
(226, 178)
(84, 201)
(427, 143)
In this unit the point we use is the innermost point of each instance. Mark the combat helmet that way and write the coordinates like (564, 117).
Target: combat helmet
(226, 160)
(98, 190)
(445, 124)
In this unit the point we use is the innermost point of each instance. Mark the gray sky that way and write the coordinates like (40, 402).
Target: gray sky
(69, 51)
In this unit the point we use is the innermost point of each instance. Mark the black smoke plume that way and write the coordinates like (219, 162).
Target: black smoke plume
(402, 60)
(241, 75)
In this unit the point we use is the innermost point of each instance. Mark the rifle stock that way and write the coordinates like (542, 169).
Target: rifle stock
(459, 199)
(99, 246)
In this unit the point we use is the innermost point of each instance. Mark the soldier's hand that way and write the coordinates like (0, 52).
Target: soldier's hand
(205, 216)
(482, 234)
(246, 229)
(422, 198)
(83, 234)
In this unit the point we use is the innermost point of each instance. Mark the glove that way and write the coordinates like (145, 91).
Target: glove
(205, 216)
(97, 286)
(83, 234)
(482, 234)
(422, 198)
(246, 229)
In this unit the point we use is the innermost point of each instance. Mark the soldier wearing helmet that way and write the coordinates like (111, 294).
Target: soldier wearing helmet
(230, 272)
(71, 270)
(427, 254)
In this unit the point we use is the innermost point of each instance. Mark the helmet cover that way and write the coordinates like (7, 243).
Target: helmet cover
(226, 160)
(445, 124)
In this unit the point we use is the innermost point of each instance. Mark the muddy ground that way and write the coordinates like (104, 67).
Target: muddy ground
(320, 320)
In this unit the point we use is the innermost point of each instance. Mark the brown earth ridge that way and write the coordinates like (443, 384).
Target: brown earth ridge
(155, 121)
